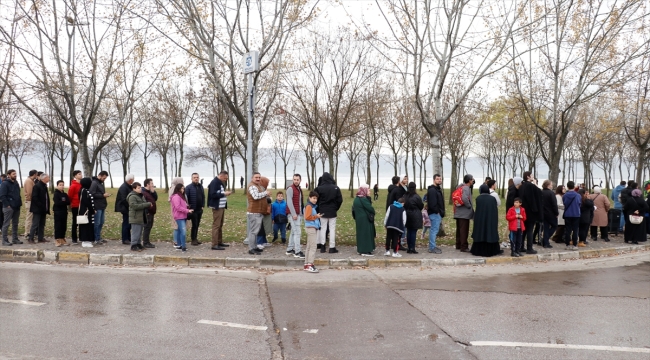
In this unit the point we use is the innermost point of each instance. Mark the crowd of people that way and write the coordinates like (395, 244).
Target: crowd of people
(535, 215)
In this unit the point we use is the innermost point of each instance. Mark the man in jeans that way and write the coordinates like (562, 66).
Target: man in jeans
(151, 196)
(295, 215)
(436, 210)
(572, 201)
(28, 185)
(255, 210)
(195, 201)
(99, 194)
(218, 202)
(11, 203)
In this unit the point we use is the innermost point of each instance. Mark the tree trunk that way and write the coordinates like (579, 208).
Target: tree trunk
(164, 166)
(639, 167)
(351, 185)
(368, 170)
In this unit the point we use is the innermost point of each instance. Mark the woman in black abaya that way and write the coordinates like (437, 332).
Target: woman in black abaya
(486, 221)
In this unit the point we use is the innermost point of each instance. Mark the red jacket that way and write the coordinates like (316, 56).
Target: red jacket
(511, 216)
(73, 194)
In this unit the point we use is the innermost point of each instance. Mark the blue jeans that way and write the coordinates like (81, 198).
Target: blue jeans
(100, 217)
(180, 233)
(283, 231)
(436, 219)
(620, 227)
(550, 225)
(411, 235)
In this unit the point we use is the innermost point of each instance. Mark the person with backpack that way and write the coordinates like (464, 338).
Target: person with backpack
(463, 211)
(395, 225)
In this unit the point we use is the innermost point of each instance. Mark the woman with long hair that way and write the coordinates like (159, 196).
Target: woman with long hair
(559, 233)
(86, 208)
(179, 212)
(413, 205)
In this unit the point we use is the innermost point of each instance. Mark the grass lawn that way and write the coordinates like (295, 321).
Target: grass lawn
(235, 222)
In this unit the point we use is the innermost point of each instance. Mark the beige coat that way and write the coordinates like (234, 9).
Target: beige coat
(601, 202)
(28, 185)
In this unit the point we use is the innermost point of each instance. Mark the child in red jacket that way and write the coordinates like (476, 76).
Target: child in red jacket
(516, 217)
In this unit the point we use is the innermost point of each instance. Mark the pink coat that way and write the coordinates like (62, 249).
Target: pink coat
(179, 207)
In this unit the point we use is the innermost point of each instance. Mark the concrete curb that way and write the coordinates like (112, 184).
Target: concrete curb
(66, 257)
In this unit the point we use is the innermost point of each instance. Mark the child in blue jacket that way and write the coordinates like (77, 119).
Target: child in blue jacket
(279, 216)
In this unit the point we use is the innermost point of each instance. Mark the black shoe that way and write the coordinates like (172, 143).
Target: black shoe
(464, 250)
(18, 242)
(258, 250)
(635, 242)
(606, 239)
(135, 248)
(519, 254)
(253, 252)
(284, 241)
(196, 243)
(126, 242)
(333, 250)
(594, 239)
(140, 246)
(514, 254)
(323, 249)
(218, 248)
(586, 242)
(531, 252)
(6, 243)
(274, 240)
(149, 245)
(223, 245)
(319, 246)
(548, 246)
(414, 252)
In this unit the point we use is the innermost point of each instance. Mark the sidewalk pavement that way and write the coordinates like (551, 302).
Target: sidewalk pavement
(114, 253)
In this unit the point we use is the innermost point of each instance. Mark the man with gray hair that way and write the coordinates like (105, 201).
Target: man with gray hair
(98, 191)
(122, 206)
(40, 208)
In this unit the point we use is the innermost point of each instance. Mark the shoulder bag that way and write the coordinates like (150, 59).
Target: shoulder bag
(636, 219)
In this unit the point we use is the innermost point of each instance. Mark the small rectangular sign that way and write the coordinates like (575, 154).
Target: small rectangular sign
(251, 62)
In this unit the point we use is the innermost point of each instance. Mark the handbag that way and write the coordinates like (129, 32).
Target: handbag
(82, 219)
(636, 219)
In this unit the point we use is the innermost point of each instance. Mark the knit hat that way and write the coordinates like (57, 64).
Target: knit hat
(597, 190)
(517, 180)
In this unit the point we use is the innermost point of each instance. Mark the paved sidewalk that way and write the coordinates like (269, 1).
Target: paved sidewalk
(237, 255)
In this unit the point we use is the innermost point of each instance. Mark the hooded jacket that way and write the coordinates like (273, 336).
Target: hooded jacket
(137, 207)
(10, 194)
(572, 201)
(435, 201)
(615, 194)
(395, 217)
(329, 196)
(97, 190)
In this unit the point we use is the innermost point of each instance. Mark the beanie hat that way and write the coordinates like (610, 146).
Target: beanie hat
(517, 180)
(597, 190)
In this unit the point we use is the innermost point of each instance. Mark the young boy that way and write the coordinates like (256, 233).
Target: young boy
(394, 223)
(312, 227)
(516, 217)
(279, 216)
(426, 221)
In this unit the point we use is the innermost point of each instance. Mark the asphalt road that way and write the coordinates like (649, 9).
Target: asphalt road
(583, 309)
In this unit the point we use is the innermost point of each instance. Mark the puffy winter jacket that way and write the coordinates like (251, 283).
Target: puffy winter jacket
(329, 196)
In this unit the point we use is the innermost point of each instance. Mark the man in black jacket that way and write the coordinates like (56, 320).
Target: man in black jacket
(40, 208)
(11, 203)
(122, 206)
(389, 198)
(551, 212)
(531, 201)
(195, 201)
(436, 210)
(329, 202)
(98, 191)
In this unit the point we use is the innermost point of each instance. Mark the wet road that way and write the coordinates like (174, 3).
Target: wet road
(584, 309)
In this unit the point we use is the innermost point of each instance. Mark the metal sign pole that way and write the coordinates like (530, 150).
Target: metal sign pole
(251, 65)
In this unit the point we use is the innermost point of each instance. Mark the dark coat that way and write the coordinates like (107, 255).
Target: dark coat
(626, 194)
(395, 193)
(388, 202)
(150, 197)
(61, 201)
(121, 203)
(195, 196)
(635, 232)
(413, 205)
(587, 211)
(486, 220)
(97, 190)
(10, 194)
(40, 199)
(550, 205)
(435, 203)
(513, 193)
(329, 196)
(216, 191)
(531, 200)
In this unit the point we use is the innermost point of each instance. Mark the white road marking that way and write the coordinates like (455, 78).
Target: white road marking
(561, 346)
(21, 302)
(311, 331)
(235, 325)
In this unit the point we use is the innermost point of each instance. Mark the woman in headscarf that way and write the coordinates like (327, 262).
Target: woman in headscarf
(486, 222)
(413, 205)
(175, 181)
(635, 206)
(364, 218)
(601, 208)
(87, 208)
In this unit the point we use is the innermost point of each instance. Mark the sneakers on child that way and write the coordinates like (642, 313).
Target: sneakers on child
(299, 255)
(396, 254)
(387, 253)
(290, 252)
(310, 268)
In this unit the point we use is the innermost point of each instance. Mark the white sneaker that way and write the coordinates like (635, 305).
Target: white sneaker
(367, 255)
(261, 247)
(387, 253)
(87, 244)
(246, 242)
(267, 244)
(397, 254)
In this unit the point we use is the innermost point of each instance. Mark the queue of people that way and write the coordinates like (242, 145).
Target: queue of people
(565, 214)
